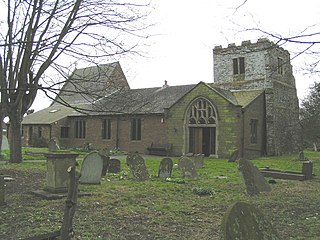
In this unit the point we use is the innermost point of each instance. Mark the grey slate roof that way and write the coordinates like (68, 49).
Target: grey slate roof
(135, 101)
(88, 84)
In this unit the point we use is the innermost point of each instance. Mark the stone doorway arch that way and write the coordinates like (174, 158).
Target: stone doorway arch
(201, 128)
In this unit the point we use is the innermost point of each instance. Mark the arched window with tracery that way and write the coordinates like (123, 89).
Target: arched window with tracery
(201, 112)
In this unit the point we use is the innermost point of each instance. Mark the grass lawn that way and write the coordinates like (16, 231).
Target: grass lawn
(121, 208)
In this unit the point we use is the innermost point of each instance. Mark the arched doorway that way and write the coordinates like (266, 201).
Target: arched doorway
(201, 125)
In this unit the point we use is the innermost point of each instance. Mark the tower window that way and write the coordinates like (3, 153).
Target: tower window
(280, 66)
(238, 65)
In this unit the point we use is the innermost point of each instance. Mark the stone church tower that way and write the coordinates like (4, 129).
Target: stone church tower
(264, 66)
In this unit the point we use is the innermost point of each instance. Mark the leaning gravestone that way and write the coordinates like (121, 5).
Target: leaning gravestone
(165, 168)
(91, 168)
(53, 145)
(137, 167)
(2, 191)
(188, 168)
(198, 160)
(244, 221)
(234, 156)
(105, 157)
(5, 143)
(253, 178)
(114, 166)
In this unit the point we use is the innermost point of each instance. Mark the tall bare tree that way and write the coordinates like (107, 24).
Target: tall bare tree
(37, 35)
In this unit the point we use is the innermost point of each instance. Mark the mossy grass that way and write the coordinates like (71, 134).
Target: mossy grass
(121, 208)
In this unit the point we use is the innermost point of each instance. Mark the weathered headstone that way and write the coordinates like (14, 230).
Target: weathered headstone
(5, 143)
(165, 168)
(137, 167)
(198, 160)
(253, 178)
(188, 168)
(53, 145)
(301, 156)
(114, 166)
(91, 168)
(234, 156)
(2, 191)
(307, 169)
(105, 157)
(244, 221)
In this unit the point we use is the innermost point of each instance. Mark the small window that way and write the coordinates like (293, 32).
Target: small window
(106, 129)
(254, 131)
(238, 65)
(39, 132)
(64, 132)
(80, 129)
(280, 66)
(136, 129)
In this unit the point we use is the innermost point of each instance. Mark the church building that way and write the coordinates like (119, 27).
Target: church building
(250, 107)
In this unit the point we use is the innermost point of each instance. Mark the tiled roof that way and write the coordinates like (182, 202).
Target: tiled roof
(136, 101)
(88, 84)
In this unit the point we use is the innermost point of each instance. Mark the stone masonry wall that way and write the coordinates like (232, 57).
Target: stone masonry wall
(262, 72)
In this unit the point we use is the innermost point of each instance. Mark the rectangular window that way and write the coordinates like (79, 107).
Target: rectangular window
(64, 132)
(136, 129)
(106, 129)
(80, 129)
(254, 131)
(280, 66)
(39, 132)
(238, 65)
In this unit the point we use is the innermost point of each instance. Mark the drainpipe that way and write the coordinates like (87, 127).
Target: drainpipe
(241, 153)
(117, 133)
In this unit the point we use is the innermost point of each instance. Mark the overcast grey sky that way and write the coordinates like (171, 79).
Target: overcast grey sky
(188, 30)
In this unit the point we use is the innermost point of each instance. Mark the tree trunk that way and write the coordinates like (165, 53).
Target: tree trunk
(15, 138)
(315, 147)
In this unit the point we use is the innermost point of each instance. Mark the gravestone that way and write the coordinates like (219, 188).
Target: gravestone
(53, 145)
(137, 167)
(198, 160)
(114, 166)
(165, 168)
(188, 168)
(301, 156)
(91, 169)
(2, 191)
(253, 178)
(244, 221)
(234, 156)
(5, 143)
(105, 158)
(307, 169)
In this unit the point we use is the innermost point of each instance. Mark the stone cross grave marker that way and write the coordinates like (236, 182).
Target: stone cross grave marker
(137, 167)
(165, 168)
(91, 168)
(53, 145)
(253, 178)
(2, 191)
(114, 166)
(188, 168)
(244, 221)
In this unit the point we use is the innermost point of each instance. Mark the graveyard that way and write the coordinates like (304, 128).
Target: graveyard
(181, 205)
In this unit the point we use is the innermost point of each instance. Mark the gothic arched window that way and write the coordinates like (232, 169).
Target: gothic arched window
(201, 112)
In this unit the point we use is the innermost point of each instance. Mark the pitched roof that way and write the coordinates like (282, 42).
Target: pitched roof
(88, 84)
(246, 97)
(48, 115)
